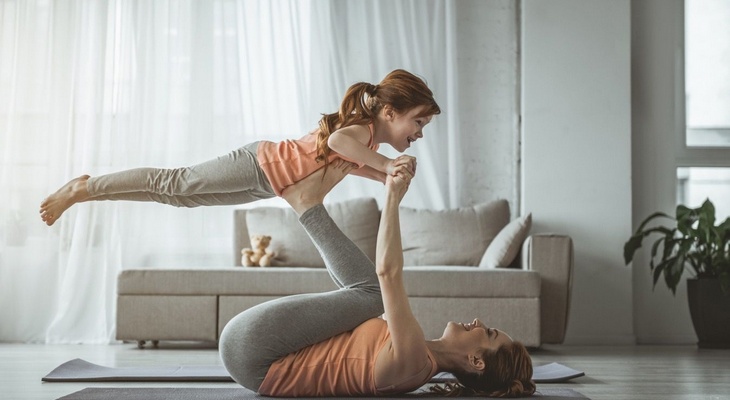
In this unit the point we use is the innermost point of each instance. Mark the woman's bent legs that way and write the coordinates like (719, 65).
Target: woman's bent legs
(259, 336)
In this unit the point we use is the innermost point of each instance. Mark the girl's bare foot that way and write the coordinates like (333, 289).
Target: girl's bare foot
(311, 190)
(69, 194)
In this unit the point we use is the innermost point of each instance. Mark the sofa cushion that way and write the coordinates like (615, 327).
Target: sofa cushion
(451, 237)
(358, 219)
(505, 247)
(433, 281)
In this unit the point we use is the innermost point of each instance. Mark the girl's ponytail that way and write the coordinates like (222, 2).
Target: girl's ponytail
(400, 89)
(353, 111)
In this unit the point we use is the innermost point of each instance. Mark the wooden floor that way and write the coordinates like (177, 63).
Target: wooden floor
(630, 372)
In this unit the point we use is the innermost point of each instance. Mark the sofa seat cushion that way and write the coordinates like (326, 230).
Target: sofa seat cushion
(431, 281)
(457, 281)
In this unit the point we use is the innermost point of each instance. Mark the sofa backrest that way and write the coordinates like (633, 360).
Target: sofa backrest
(358, 219)
(457, 237)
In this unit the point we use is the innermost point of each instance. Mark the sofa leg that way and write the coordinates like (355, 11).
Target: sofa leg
(142, 343)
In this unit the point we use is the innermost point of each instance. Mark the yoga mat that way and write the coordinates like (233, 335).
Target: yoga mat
(79, 370)
(242, 393)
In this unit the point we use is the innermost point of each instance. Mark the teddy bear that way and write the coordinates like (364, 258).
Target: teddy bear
(258, 256)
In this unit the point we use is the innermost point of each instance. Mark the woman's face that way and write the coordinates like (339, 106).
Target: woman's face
(405, 128)
(473, 336)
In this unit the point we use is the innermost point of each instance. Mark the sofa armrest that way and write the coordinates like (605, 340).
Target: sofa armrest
(552, 256)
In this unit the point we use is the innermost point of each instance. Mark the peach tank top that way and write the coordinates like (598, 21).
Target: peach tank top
(343, 365)
(290, 161)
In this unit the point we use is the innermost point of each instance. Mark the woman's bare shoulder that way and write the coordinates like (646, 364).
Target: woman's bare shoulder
(390, 374)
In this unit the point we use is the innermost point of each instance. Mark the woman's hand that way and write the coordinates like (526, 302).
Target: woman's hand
(401, 163)
(398, 185)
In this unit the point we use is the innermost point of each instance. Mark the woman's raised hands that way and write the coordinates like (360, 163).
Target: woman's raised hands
(397, 184)
(400, 164)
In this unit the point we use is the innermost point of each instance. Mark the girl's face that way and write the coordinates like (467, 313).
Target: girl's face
(404, 129)
(474, 336)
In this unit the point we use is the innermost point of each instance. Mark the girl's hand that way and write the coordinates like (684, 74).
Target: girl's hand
(401, 163)
(398, 185)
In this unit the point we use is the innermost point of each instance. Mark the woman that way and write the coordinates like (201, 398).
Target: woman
(334, 344)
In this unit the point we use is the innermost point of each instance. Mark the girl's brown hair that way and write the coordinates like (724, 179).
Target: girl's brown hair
(399, 89)
(508, 373)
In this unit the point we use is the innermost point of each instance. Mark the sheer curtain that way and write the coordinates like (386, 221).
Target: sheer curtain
(95, 87)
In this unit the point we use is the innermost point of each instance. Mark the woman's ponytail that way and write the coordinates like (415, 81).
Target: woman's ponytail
(508, 373)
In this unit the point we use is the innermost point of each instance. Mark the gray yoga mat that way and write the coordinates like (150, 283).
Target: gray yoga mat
(241, 393)
(79, 370)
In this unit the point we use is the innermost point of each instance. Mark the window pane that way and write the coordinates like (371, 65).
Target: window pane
(707, 72)
(694, 185)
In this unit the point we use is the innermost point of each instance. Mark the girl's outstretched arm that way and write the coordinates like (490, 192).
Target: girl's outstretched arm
(369, 172)
(351, 143)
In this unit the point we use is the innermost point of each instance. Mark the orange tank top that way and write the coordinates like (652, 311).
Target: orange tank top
(343, 365)
(290, 161)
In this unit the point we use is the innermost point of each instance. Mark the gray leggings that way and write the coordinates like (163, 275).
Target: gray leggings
(259, 336)
(235, 178)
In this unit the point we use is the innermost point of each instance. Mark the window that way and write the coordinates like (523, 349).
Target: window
(707, 72)
(703, 148)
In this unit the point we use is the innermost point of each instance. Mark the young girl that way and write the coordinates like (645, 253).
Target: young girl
(393, 112)
(333, 344)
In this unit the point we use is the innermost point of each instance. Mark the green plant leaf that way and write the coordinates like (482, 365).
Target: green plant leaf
(649, 218)
(655, 247)
(725, 226)
(696, 245)
(673, 273)
(657, 272)
(670, 242)
(635, 241)
(685, 250)
(662, 266)
(685, 218)
(707, 213)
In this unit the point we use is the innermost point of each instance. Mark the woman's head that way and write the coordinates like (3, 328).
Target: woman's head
(507, 372)
(400, 91)
(493, 364)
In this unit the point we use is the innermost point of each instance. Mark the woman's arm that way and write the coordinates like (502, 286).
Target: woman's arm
(408, 354)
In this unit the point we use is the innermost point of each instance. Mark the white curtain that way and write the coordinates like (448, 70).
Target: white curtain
(99, 86)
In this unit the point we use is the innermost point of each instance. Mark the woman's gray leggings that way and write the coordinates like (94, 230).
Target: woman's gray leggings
(235, 178)
(259, 336)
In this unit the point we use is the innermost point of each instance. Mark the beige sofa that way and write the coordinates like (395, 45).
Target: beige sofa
(460, 264)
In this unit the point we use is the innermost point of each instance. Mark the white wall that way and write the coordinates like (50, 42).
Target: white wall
(576, 138)
(487, 54)
(657, 95)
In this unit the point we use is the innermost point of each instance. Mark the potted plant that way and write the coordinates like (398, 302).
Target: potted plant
(693, 242)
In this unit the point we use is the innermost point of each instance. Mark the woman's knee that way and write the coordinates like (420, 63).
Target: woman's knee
(243, 353)
(233, 347)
